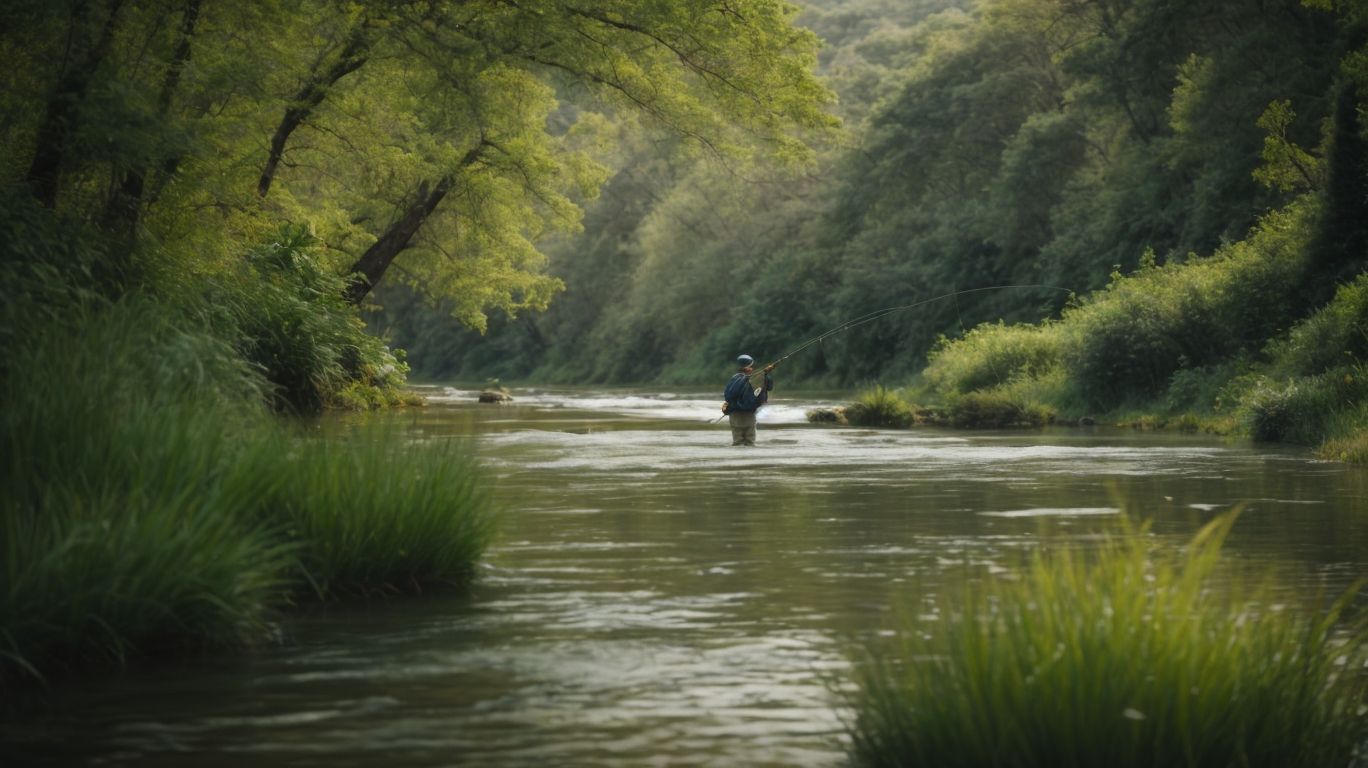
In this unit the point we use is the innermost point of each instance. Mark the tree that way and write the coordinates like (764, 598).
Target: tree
(490, 178)
(431, 137)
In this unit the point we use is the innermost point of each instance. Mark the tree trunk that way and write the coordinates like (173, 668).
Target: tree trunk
(124, 208)
(370, 268)
(44, 174)
(309, 97)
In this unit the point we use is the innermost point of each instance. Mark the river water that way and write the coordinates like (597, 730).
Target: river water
(657, 597)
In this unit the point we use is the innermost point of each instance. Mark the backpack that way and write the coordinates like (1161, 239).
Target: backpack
(736, 391)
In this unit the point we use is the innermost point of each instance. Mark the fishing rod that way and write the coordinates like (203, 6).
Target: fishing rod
(885, 312)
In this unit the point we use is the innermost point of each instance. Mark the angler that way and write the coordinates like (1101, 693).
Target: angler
(743, 400)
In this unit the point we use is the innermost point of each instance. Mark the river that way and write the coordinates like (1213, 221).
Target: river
(657, 597)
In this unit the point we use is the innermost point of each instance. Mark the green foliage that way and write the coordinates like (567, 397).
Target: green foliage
(989, 355)
(123, 524)
(1122, 658)
(1352, 444)
(1129, 340)
(373, 512)
(293, 322)
(1017, 142)
(47, 266)
(1203, 388)
(152, 504)
(879, 407)
(1286, 166)
(1303, 410)
(1171, 332)
(995, 408)
(1335, 336)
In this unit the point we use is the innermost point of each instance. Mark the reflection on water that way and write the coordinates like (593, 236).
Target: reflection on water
(659, 597)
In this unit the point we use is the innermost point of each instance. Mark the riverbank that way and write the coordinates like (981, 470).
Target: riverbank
(1221, 344)
(154, 502)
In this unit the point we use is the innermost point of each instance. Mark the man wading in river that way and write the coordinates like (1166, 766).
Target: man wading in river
(743, 400)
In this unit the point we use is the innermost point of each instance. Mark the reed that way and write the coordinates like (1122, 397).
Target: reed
(1127, 658)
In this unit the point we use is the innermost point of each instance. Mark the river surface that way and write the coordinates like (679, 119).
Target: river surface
(657, 597)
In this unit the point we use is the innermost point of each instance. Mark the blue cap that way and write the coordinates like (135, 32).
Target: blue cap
(744, 361)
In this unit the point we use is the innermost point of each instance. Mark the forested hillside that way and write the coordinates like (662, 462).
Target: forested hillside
(1042, 143)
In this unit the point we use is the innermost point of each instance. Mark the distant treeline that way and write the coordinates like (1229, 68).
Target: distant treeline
(1048, 142)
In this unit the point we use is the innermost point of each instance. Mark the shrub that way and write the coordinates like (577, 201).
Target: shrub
(995, 409)
(1122, 659)
(1302, 410)
(879, 407)
(1129, 340)
(1200, 388)
(290, 318)
(1335, 336)
(990, 355)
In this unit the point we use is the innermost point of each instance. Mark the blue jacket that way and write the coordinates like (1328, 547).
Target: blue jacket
(742, 398)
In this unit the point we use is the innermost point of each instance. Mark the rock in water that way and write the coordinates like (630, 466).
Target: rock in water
(495, 396)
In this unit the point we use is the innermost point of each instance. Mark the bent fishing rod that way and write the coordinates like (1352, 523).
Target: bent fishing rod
(885, 312)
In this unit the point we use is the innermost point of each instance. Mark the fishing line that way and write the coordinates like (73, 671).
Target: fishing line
(879, 314)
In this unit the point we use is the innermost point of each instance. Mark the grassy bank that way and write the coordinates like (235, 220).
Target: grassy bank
(152, 501)
(1122, 658)
(1219, 343)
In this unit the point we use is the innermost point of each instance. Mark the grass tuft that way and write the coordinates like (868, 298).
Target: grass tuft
(1128, 658)
(375, 513)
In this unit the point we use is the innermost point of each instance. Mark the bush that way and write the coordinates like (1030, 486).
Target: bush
(1125, 659)
(996, 409)
(1201, 388)
(879, 407)
(291, 319)
(1335, 336)
(1302, 410)
(990, 355)
(1129, 340)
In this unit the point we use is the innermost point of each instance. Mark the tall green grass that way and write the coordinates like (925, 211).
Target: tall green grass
(1128, 658)
(376, 513)
(120, 526)
(152, 501)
